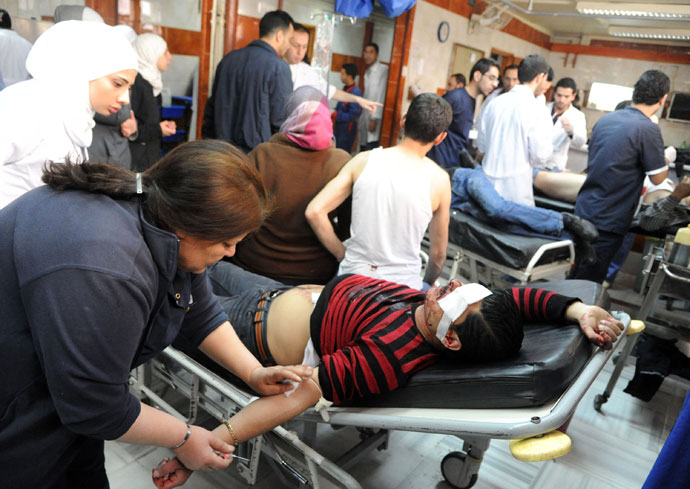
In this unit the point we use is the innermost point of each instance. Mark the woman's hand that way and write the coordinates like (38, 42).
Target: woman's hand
(269, 381)
(170, 473)
(204, 451)
(129, 127)
(598, 325)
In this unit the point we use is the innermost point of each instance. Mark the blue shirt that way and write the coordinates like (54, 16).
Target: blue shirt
(250, 91)
(447, 154)
(625, 145)
(90, 290)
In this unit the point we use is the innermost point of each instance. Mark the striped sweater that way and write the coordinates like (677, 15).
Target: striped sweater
(364, 331)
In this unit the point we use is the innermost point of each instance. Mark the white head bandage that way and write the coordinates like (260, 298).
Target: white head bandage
(455, 303)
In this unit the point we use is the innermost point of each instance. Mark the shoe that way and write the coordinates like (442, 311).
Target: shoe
(581, 228)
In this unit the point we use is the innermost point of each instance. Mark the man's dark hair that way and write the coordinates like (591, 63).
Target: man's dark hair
(459, 78)
(532, 66)
(482, 66)
(509, 67)
(5, 19)
(299, 27)
(550, 74)
(566, 83)
(428, 116)
(373, 45)
(351, 69)
(493, 333)
(622, 105)
(651, 87)
(273, 21)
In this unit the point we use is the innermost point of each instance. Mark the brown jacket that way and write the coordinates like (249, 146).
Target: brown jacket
(285, 248)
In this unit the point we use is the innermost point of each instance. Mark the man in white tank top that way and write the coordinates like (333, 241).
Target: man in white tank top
(396, 194)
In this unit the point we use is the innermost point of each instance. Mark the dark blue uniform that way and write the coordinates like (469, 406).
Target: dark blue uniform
(346, 116)
(250, 91)
(90, 289)
(625, 145)
(447, 154)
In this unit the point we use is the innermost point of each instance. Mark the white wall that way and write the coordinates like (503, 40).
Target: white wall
(622, 71)
(429, 60)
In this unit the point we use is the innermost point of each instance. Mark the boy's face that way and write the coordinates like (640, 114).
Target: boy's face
(344, 77)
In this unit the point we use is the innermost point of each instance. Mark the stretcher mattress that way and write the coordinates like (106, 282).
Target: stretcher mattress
(511, 250)
(550, 358)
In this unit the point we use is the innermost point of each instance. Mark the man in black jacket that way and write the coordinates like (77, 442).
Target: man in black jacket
(251, 87)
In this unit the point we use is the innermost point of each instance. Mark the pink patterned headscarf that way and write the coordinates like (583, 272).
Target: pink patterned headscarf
(308, 123)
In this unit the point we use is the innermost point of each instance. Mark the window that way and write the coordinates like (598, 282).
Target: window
(605, 96)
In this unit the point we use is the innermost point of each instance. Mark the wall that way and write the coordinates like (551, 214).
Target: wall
(430, 60)
(622, 71)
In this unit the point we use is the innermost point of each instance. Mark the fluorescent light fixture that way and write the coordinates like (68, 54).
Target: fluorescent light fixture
(639, 10)
(650, 33)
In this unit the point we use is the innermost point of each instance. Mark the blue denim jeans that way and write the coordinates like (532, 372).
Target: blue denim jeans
(474, 194)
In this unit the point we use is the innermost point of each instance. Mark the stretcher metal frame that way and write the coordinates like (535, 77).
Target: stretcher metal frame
(476, 427)
(455, 254)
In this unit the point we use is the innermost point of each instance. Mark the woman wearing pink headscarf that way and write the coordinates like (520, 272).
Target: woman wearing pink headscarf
(295, 165)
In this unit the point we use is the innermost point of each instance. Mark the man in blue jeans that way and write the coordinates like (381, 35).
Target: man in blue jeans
(474, 194)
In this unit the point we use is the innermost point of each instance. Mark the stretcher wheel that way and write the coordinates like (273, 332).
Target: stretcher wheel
(543, 447)
(452, 469)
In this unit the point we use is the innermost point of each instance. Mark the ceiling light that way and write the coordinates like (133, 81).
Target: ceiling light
(637, 10)
(650, 33)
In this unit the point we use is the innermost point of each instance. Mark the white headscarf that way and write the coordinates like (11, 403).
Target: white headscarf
(129, 33)
(69, 55)
(149, 48)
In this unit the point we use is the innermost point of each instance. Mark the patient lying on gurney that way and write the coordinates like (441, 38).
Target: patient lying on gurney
(474, 194)
(367, 336)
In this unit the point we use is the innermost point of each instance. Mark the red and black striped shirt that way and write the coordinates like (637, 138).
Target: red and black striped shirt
(364, 331)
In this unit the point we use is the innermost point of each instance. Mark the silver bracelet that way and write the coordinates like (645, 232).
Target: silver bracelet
(186, 437)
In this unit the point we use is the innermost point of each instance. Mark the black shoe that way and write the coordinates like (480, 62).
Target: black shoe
(581, 228)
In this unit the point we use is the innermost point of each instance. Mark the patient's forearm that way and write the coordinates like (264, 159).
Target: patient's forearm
(268, 412)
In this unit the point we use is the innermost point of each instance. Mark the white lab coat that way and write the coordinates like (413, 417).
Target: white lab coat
(13, 52)
(560, 139)
(305, 75)
(512, 139)
(375, 83)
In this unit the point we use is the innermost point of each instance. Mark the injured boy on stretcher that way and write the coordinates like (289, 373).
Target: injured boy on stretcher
(366, 336)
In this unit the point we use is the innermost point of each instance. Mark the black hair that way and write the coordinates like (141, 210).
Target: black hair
(532, 66)
(651, 87)
(299, 27)
(351, 69)
(273, 21)
(482, 66)
(459, 78)
(566, 83)
(493, 333)
(5, 19)
(510, 67)
(373, 45)
(550, 74)
(205, 188)
(428, 116)
(622, 105)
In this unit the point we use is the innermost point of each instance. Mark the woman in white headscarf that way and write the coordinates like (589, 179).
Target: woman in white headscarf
(154, 58)
(79, 68)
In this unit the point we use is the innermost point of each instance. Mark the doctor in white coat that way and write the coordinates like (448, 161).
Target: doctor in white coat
(569, 124)
(375, 82)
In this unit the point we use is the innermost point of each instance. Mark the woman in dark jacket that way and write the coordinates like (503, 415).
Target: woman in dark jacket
(154, 58)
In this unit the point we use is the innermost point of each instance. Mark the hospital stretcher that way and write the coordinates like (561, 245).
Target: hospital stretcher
(482, 253)
(523, 398)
